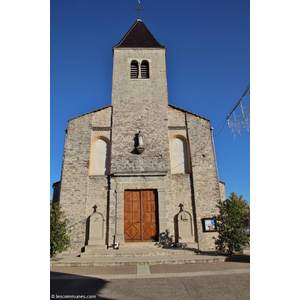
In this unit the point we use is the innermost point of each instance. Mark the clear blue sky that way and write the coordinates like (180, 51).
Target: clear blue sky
(208, 66)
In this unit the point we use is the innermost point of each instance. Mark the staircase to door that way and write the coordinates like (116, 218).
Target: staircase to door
(140, 216)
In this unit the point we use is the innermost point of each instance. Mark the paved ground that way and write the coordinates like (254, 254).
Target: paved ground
(58, 272)
(209, 287)
(186, 268)
(205, 281)
(151, 274)
(103, 270)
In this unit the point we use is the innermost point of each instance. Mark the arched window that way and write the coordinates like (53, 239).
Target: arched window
(179, 156)
(145, 69)
(100, 157)
(134, 70)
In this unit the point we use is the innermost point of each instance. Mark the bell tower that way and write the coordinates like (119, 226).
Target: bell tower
(140, 102)
(139, 69)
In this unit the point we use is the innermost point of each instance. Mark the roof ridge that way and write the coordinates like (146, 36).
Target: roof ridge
(150, 32)
(90, 112)
(183, 110)
(134, 24)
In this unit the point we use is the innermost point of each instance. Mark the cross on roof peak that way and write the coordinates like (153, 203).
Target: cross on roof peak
(139, 9)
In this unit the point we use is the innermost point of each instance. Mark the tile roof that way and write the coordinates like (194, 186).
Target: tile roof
(139, 36)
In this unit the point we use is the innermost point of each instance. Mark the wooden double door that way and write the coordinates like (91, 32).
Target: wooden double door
(140, 215)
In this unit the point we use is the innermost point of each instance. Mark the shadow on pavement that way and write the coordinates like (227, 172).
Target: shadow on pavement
(63, 285)
(242, 258)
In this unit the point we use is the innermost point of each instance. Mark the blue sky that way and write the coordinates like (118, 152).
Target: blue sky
(208, 67)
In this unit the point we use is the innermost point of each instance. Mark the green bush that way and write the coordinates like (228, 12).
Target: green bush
(59, 239)
(230, 222)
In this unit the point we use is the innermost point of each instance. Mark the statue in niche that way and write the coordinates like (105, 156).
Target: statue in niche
(140, 139)
(140, 143)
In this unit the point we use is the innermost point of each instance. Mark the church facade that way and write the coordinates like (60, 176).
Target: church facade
(139, 169)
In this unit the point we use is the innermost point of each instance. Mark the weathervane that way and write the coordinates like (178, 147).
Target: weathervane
(138, 8)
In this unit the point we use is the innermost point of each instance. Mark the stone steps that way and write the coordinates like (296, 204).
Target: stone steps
(135, 258)
(138, 253)
(150, 245)
(138, 245)
(139, 262)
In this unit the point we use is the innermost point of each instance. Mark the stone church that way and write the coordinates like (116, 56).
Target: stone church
(139, 170)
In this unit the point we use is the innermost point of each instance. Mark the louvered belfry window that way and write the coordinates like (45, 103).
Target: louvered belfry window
(134, 70)
(145, 69)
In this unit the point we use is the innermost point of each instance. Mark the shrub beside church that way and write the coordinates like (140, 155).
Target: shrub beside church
(59, 239)
(230, 225)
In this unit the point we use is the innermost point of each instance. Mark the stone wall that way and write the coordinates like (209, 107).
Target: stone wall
(79, 191)
(222, 190)
(200, 189)
(180, 192)
(139, 105)
(204, 176)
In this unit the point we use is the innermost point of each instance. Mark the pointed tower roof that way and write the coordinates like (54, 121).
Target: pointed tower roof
(139, 36)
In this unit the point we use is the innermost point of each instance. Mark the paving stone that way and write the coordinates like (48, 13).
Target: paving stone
(183, 268)
(120, 270)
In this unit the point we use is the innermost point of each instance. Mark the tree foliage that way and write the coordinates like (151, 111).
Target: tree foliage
(59, 239)
(230, 222)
